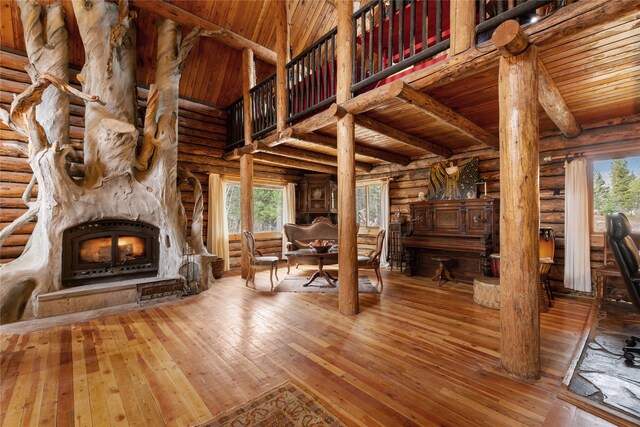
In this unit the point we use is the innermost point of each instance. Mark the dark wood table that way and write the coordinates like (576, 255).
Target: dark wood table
(328, 258)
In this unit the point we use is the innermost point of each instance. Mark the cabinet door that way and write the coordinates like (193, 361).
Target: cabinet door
(447, 219)
(476, 220)
(317, 197)
(421, 221)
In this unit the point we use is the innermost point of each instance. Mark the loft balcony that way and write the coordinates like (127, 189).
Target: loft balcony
(398, 40)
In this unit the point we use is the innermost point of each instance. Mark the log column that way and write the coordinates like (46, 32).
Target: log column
(347, 225)
(282, 49)
(246, 161)
(519, 203)
(462, 15)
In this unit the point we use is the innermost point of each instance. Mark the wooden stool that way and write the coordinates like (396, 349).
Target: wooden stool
(442, 275)
(486, 292)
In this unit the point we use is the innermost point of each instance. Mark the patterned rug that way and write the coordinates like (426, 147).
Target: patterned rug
(286, 405)
(294, 283)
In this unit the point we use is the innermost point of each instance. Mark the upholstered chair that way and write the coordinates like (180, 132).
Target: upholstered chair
(256, 259)
(372, 261)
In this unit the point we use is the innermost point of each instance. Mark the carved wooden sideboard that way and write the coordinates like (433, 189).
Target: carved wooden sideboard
(463, 230)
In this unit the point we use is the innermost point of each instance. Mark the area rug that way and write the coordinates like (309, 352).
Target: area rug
(294, 283)
(286, 405)
(602, 375)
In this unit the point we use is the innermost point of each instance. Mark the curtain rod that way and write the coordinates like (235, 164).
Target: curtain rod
(565, 157)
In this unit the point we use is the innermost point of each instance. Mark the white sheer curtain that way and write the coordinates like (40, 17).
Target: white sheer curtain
(384, 221)
(577, 270)
(288, 211)
(217, 234)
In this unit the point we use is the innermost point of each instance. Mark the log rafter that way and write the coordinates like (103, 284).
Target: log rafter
(273, 159)
(399, 135)
(446, 115)
(214, 31)
(291, 152)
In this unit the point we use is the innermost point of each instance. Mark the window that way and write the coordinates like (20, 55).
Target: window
(616, 188)
(368, 205)
(267, 208)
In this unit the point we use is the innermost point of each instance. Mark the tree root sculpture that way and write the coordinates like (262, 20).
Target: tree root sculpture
(117, 183)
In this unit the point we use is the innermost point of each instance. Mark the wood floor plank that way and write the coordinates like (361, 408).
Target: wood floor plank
(416, 355)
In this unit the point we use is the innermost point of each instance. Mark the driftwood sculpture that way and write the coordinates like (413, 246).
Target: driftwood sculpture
(118, 183)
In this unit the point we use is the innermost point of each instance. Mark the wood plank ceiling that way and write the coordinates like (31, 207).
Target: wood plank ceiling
(211, 74)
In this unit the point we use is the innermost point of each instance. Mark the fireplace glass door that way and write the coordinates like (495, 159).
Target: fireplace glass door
(109, 250)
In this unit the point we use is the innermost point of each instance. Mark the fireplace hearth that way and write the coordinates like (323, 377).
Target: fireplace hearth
(109, 250)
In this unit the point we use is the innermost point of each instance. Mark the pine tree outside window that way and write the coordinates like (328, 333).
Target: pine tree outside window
(267, 209)
(368, 205)
(616, 188)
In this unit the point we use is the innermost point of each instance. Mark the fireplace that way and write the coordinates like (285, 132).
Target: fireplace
(109, 250)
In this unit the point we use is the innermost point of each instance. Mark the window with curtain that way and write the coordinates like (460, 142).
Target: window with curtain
(616, 188)
(267, 208)
(368, 204)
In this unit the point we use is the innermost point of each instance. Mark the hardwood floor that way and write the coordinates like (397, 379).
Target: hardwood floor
(415, 355)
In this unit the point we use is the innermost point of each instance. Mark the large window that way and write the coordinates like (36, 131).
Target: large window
(616, 188)
(368, 205)
(267, 208)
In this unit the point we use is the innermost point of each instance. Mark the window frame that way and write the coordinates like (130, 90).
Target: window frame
(597, 238)
(366, 186)
(262, 234)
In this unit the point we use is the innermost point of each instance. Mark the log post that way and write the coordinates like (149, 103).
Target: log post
(282, 49)
(246, 161)
(463, 26)
(519, 203)
(347, 225)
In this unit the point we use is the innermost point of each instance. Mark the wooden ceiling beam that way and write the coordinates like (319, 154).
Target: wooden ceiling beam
(183, 17)
(290, 152)
(362, 150)
(310, 156)
(554, 104)
(446, 115)
(288, 162)
(393, 133)
(313, 123)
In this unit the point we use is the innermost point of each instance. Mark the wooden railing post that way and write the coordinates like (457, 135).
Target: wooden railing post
(282, 50)
(347, 220)
(463, 23)
(519, 203)
(246, 161)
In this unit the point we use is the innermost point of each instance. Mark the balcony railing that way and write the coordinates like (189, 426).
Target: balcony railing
(235, 125)
(311, 78)
(392, 37)
(263, 106)
(491, 15)
(389, 37)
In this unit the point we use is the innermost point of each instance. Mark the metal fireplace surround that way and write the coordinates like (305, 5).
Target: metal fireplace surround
(109, 250)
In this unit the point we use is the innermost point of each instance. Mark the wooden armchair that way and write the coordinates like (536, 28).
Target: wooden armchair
(256, 259)
(372, 261)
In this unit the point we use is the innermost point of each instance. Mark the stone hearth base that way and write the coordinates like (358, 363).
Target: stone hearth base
(90, 297)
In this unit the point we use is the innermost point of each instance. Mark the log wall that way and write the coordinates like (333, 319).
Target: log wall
(410, 180)
(201, 131)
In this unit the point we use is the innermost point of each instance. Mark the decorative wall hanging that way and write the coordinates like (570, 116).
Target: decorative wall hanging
(453, 179)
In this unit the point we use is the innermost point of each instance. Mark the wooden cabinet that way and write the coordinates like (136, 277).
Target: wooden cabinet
(463, 230)
(317, 196)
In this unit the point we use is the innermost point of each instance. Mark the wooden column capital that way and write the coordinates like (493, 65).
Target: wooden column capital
(509, 38)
